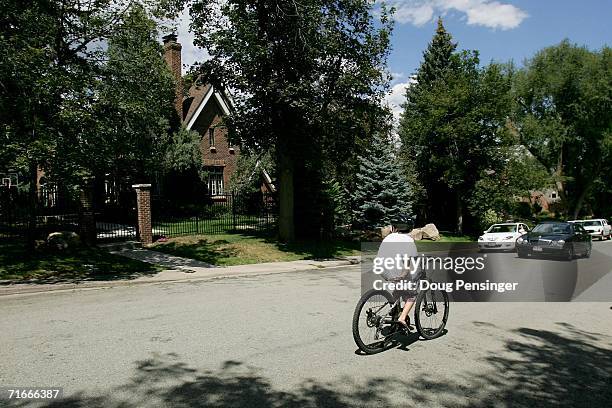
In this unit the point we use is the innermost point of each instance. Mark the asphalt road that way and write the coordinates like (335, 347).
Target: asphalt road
(285, 340)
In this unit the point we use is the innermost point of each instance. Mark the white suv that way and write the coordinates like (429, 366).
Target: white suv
(598, 228)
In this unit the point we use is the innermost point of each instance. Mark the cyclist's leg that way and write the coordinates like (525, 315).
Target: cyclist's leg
(409, 297)
(404, 315)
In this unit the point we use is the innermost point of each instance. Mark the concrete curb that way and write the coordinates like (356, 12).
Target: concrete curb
(188, 274)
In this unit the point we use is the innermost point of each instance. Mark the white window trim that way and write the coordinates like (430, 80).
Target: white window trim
(220, 182)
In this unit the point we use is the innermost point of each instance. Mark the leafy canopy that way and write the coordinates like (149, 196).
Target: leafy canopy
(564, 117)
(83, 86)
(307, 80)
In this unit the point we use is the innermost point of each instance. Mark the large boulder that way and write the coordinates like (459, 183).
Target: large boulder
(430, 232)
(369, 235)
(386, 230)
(416, 234)
(63, 240)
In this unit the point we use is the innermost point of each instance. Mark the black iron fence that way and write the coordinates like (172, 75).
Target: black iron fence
(116, 220)
(25, 215)
(218, 214)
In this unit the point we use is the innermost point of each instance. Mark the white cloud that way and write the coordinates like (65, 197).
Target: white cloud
(495, 15)
(489, 13)
(413, 13)
(190, 53)
(397, 96)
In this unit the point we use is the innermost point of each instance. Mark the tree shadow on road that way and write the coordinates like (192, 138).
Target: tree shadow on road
(537, 368)
(540, 368)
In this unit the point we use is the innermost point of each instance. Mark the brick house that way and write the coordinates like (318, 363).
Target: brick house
(202, 110)
(545, 199)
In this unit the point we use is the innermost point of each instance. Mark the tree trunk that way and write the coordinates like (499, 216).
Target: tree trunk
(459, 215)
(581, 198)
(560, 184)
(286, 225)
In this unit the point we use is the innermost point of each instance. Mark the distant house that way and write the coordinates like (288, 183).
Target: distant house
(545, 199)
(202, 110)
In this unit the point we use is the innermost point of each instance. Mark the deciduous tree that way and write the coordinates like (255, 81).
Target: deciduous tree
(307, 78)
(564, 117)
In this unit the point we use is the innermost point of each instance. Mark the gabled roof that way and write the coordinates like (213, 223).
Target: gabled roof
(200, 94)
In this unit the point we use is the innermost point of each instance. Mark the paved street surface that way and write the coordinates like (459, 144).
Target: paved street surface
(285, 340)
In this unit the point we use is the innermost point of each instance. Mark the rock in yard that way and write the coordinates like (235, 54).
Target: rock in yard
(416, 234)
(370, 235)
(384, 231)
(63, 240)
(430, 232)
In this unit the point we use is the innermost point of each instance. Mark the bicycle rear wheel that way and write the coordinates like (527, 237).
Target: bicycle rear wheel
(431, 313)
(371, 319)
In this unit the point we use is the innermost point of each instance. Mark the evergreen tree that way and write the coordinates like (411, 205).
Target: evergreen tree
(437, 59)
(425, 185)
(382, 194)
(452, 129)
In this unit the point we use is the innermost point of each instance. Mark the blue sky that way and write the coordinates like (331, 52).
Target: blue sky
(514, 33)
(501, 30)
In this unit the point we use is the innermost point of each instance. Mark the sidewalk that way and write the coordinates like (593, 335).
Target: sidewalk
(179, 270)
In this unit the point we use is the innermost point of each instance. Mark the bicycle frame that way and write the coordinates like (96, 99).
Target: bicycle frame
(397, 306)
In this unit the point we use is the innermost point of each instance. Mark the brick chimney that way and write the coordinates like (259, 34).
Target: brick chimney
(172, 55)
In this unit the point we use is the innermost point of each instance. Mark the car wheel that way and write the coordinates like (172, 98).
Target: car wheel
(521, 254)
(569, 255)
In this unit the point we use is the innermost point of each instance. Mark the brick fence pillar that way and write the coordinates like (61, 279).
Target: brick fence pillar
(87, 221)
(143, 203)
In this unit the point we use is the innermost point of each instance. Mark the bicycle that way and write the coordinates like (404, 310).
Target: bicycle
(382, 311)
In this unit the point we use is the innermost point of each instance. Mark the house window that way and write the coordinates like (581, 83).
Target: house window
(211, 136)
(215, 180)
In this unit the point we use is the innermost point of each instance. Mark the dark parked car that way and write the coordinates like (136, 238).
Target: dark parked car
(559, 239)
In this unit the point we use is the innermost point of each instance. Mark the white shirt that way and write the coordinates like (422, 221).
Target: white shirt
(392, 246)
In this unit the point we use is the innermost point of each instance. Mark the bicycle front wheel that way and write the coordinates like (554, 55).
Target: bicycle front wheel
(370, 321)
(431, 313)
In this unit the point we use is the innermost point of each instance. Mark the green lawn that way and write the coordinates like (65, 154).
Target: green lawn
(81, 264)
(456, 238)
(446, 243)
(242, 249)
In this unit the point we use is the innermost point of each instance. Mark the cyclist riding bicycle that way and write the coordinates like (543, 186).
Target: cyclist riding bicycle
(403, 246)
